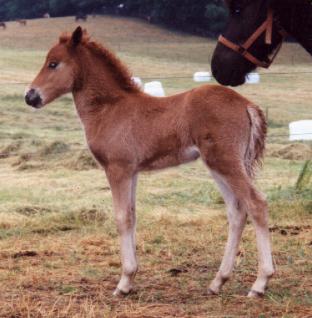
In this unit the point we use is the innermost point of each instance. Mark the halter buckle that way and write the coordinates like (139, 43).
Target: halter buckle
(242, 50)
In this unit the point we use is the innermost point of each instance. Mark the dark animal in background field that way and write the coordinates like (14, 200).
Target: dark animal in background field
(22, 22)
(148, 18)
(2, 25)
(129, 131)
(81, 17)
(121, 9)
(240, 50)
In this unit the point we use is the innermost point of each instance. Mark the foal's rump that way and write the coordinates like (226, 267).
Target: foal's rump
(227, 128)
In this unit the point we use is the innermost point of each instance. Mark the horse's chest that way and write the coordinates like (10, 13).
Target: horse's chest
(108, 147)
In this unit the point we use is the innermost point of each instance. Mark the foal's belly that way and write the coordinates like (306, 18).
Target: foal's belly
(165, 160)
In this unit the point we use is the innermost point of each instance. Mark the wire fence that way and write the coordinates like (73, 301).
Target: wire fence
(289, 135)
(183, 76)
(187, 76)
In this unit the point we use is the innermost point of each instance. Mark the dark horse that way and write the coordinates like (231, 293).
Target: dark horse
(81, 17)
(255, 31)
(2, 25)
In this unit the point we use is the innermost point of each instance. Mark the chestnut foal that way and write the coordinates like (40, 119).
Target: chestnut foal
(129, 131)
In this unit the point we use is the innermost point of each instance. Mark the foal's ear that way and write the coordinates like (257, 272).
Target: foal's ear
(77, 36)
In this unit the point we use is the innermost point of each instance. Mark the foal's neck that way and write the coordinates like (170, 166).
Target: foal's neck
(296, 18)
(95, 88)
(102, 83)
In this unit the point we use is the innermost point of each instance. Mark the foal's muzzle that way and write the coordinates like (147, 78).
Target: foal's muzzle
(32, 98)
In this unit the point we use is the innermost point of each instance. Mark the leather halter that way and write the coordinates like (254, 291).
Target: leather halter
(267, 27)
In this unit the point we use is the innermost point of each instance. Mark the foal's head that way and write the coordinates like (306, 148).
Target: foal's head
(228, 66)
(59, 73)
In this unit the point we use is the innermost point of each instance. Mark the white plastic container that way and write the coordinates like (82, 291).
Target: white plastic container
(300, 130)
(202, 77)
(253, 78)
(137, 81)
(155, 89)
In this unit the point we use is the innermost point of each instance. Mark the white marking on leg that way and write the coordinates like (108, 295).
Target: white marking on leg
(123, 199)
(265, 267)
(128, 249)
(237, 220)
(129, 263)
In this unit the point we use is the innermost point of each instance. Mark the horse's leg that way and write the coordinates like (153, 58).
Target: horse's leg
(253, 202)
(247, 200)
(237, 220)
(259, 215)
(133, 206)
(123, 191)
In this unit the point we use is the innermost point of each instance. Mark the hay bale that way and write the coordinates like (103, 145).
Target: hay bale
(202, 77)
(290, 152)
(137, 81)
(300, 130)
(155, 89)
(253, 78)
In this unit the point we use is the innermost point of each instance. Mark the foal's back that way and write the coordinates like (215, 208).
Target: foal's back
(154, 133)
(209, 109)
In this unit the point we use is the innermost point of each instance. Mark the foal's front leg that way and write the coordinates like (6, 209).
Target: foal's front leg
(123, 190)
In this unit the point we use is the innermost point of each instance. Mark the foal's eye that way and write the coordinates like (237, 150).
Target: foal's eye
(53, 65)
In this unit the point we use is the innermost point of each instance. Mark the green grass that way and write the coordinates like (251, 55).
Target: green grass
(55, 202)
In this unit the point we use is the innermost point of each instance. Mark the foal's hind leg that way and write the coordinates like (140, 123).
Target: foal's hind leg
(237, 220)
(246, 200)
(259, 215)
(253, 202)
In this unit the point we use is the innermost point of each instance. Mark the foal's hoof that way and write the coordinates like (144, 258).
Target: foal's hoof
(119, 293)
(255, 294)
(211, 292)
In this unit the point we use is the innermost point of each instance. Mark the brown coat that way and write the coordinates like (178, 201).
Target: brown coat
(129, 131)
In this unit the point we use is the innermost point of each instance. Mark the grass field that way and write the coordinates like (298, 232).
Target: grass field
(59, 251)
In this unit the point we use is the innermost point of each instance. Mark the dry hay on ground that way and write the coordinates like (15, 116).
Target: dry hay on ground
(72, 273)
(290, 152)
(54, 154)
(83, 160)
(60, 154)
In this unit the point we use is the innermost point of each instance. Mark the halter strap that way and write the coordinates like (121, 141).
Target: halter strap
(267, 27)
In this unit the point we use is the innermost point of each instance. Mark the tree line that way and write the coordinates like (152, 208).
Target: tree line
(204, 17)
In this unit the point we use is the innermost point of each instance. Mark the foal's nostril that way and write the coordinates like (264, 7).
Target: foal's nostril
(32, 98)
(28, 96)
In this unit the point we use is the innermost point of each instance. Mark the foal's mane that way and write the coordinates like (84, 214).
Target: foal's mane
(117, 69)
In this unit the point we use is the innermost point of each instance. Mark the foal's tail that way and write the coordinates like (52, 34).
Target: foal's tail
(256, 144)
